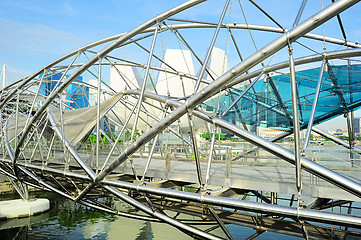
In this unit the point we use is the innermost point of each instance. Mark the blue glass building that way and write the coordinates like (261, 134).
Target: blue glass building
(269, 103)
(77, 95)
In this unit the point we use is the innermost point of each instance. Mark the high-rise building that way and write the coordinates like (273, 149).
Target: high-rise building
(357, 125)
(77, 95)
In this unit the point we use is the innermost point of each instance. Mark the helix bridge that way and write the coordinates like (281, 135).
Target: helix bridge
(199, 124)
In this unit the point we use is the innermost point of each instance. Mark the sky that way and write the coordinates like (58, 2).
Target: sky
(34, 33)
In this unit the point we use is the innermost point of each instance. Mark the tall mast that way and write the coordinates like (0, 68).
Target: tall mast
(3, 76)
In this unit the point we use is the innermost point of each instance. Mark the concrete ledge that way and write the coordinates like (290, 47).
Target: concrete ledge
(20, 208)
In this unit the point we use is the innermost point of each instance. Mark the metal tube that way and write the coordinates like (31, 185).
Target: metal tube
(334, 139)
(79, 160)
(98, 115)
(341, 26)
(305, 214)
(17, 119)
(61, 113)
(84, 67)
(314, 105)
(140, 99)
(336, 86)
(152, 150)
(122, 214)
(265, 13)
(6, 139)
(194, 54)
(205, 62)
(241, 95)
(220, 223)
(296, 126)
(227, 77)
(210, 156)
(18, 190)
(238, 112)
(349, 130)
(109, 139)
(308, 165)
(280, 101)
(51, 146)
(119, 136)
(27, 79)
(299, 14)
(195, 150)
(35, 97)
(349, 80)
(149, 157)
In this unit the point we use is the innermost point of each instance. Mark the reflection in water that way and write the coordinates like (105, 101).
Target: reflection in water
(67, 220)
(145, 232)
(19, 233)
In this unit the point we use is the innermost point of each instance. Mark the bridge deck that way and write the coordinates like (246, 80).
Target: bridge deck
(250, 176)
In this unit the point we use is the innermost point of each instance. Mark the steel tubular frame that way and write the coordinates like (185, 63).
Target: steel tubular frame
(308, 165)
(296, 125)
(314, 105)
(257, 57)
(305, 214)
(174, 109)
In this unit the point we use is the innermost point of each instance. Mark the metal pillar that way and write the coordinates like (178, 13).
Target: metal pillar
(279, 99)
(314, 105)
(308, 165)
(241, 95)
(140, 99)
(296, 125)
(205, 62)
(299, 14)
(4, 76)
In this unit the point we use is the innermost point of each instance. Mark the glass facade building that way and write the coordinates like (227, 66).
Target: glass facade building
(269, 103)
(77, 95)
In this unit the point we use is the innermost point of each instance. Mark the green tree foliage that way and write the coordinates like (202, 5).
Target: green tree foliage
(93, 138)
(207, 136)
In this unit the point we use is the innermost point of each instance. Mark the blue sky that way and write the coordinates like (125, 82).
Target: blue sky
(37, 32)
(34, 33)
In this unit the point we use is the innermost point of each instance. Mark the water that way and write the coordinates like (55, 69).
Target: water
(68, 220)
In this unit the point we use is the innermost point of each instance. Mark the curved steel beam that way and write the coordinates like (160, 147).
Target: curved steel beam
(304, 60)
(227, 77)
(305, 214)
(175, 26)
(266, 29)
(308, 165)
(356, 52)
(100, 55)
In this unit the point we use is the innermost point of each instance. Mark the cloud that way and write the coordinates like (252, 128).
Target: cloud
(69, 9)
(35, 38)
(33, 7)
